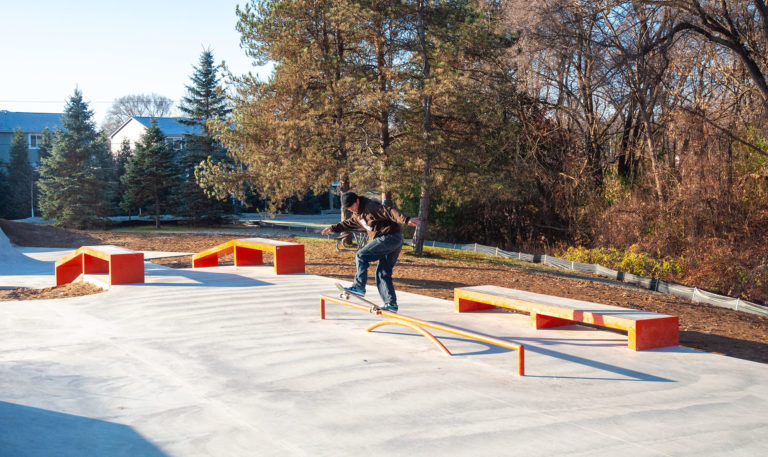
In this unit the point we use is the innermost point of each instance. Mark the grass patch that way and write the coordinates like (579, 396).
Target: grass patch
(478, 258)
(152, 229)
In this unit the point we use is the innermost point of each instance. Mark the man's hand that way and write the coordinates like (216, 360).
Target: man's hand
(326, 231)
(414, 221)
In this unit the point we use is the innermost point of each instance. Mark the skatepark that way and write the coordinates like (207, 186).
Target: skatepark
(236, 361)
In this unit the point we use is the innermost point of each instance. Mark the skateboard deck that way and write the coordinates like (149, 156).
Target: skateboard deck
(345, 294)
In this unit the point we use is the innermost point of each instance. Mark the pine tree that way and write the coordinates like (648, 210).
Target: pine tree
(325, 113)
(76, 178)
(19, 178)
(363, 93)
(4, 194)
(151, 175)
(43, 151)
(45, 145)
(121, 160)
(205, 101)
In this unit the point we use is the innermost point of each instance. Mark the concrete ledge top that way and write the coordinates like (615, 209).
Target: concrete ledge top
(528, 301)
(267, 241)
(111, 249)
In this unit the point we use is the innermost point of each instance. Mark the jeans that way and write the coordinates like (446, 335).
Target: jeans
(385, 249)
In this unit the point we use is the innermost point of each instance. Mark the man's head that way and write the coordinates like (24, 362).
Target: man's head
(349, 200)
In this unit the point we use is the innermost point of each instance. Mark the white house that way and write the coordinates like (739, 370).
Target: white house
(135, 127)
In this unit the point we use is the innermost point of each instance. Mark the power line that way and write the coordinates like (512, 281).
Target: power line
(48, 101)
(60, 101)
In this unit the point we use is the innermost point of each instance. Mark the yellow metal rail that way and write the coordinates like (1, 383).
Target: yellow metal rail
(400, 318)
(416, 328)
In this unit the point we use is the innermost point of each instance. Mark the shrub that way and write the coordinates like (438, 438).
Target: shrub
(630, 260)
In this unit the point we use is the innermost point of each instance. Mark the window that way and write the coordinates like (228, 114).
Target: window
(35, 140)
(176, 143)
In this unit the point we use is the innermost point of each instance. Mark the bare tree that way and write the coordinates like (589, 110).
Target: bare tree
(126, 107)
(740, 26)
(563, 54)
(633, 31)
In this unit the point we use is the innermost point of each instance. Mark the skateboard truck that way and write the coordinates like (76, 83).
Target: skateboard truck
(345, 294)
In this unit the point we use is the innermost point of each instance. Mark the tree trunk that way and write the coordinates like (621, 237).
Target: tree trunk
(651, 152)
(418, 238)
(386, 197)
(382, 86)
(343, 187)
(421, 230)
(625, 155)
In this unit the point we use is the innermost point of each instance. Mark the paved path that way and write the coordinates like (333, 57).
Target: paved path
(232, 361)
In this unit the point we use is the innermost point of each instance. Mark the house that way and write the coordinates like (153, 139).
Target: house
(31, 125)
(135, 127)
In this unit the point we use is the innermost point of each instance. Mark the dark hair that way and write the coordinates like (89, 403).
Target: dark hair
(348, 199)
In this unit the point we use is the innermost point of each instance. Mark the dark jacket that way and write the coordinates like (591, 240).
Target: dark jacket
(374, 218)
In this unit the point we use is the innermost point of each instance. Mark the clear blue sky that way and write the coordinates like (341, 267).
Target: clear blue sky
(110, 49)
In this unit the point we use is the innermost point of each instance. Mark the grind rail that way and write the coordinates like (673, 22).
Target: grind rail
(419, 325)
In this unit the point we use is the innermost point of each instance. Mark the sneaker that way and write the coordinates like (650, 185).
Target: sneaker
(392, 308)
(355, 291)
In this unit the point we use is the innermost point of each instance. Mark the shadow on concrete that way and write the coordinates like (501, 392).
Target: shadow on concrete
(200, 278)
(756, 351)
(15, 263)
(628, 374)
(535, 347)
(21, 265)
(34, 432)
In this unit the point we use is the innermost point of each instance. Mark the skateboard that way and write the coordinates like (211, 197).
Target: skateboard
(345, 294)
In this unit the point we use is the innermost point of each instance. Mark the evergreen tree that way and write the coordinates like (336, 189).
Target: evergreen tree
(45, 145)
(326, 112)
(76, 178)
(43, 151)
(121, 160)
(205, 101)
(4, 193)
(19, 178)
(151, 175)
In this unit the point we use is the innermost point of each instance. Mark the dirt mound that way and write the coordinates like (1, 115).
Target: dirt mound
(67, 290)
(37, 235)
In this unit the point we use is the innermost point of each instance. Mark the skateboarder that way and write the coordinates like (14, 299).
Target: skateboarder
(384, 231)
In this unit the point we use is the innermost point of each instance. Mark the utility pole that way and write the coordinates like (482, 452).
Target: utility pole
(32, 190)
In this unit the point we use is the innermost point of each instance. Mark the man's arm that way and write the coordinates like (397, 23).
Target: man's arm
(393, 214)
(396, 215)
(343, 226)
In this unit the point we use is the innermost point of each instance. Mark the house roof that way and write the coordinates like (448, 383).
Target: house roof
(29, 122)
(170, 126)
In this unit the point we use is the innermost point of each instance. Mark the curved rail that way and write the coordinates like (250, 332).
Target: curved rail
(428, 335)
(443, 328)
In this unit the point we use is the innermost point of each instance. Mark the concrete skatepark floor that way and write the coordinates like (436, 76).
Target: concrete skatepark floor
(228, 361)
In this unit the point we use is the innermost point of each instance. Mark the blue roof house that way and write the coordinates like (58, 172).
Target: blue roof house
(31, 125)
(135, 127)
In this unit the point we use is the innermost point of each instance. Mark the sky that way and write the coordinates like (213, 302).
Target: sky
(109, 49)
